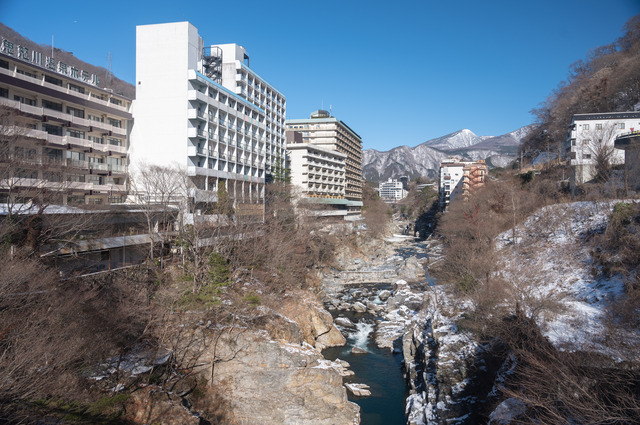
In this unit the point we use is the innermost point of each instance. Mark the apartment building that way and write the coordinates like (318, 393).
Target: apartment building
(326, 131)
(224, 128)
(245, 82)
(457, 179)
(591, 135)
(68, 138)
(392, 190)
(317, 175)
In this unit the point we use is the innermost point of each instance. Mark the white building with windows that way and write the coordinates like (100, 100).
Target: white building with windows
(457, 179)
(594, 134)
(202, 108)
(392, 190)
(74, 135)
(323, 130)
(317, 175)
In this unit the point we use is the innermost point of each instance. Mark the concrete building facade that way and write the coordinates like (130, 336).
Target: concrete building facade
(392, 190)
(630, 144)
(457, 179)
(71, 139)
(192, 111)
(591, 134)
(326, 131)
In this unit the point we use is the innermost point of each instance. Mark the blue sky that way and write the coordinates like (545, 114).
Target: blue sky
(397, 72)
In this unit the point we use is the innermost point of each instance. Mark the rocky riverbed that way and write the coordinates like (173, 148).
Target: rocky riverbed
(449, 377)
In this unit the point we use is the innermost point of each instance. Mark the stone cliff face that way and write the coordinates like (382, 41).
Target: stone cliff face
(271, 382)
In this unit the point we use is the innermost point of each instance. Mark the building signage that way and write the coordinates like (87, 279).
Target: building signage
(36, 58)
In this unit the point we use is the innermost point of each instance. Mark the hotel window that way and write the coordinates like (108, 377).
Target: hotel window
(75, 88)
(598, 126)
(115, 123)
(78, 156)
(53, 80)
(585, 127)
(75, 112)
(52, 105)
(95, 179)
(4, 92)
(114, 142)
(115, 101)
(96, 118)
(25, 100)
(620, 126)
(76, 133)
(79, 178)
(97, 96)
(95, 139)
(4, 64)
(27, 73)
(52, 129)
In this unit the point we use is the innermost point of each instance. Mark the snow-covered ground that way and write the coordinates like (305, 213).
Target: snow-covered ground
(550, 260)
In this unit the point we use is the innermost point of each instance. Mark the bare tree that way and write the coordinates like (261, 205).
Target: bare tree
(602, 151)
(161, 192)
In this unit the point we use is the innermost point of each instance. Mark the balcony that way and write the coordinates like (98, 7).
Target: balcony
(98, 166)
(76, 141)
(193, 114)
(195, 132)
(197, 95)
(77, 163)
(116, 168)
(118, 149)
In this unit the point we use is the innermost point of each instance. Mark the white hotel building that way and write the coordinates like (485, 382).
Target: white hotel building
(203, 109)
(72, 136)
(392, 190)
(591, 132)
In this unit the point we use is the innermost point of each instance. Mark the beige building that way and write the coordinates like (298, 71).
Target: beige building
(328, 132)
(72, 138)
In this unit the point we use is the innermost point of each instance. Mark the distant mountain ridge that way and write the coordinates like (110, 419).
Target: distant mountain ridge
(425, 159)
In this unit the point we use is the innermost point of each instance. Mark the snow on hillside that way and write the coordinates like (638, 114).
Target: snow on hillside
(424, 159)
(550, 260)
(460, 139)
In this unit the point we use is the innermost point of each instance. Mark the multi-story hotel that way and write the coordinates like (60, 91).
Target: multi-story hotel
(458, 179)
(591, 135)
(317, 176)
(392, 190)
(243, 81)
(72, 136)
(330, 133)
(203, 109)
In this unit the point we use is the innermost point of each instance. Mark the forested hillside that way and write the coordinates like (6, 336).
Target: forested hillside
(607, 80)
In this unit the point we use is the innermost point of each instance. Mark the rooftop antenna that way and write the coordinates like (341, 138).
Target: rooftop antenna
(109, 67)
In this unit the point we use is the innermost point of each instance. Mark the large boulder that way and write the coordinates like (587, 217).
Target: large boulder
(359, 307)
(315, 323)
(271, 383)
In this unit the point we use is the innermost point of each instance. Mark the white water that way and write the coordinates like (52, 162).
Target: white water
(360, 337)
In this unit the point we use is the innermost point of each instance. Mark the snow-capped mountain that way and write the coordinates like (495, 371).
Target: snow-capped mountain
(424, 159)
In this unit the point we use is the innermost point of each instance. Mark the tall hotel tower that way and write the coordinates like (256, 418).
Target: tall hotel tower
(203, 109)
